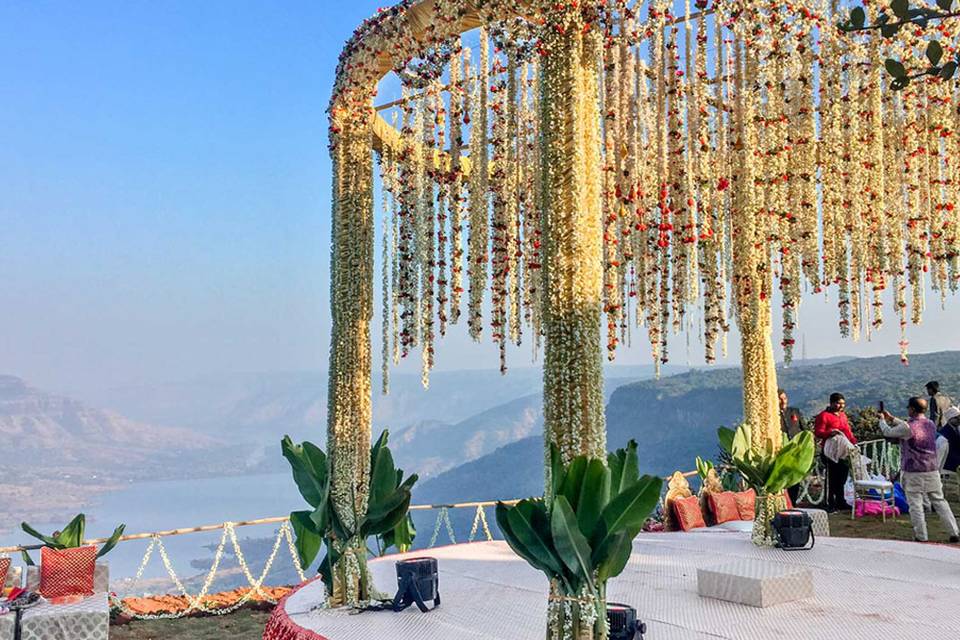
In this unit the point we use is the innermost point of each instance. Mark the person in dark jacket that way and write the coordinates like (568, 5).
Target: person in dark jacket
(791, 420)
(791, 423)
(951, 431)
(937, 404)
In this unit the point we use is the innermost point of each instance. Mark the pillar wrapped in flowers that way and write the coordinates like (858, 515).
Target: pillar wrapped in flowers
(349, 393)
(573, 403)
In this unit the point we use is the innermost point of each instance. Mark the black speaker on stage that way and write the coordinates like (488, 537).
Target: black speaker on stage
(418, 582)
(793, 530)
(623, 623)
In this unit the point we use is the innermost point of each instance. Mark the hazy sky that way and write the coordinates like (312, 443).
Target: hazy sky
(165, 196)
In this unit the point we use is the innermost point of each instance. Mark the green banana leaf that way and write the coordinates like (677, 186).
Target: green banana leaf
(111, 541)
(740, 450)
(383, 472)
(528, 533)
(72, 535)
(401, 536)
(624, 468)
(594, 495)
(726, 439)
(321, 516)
(703, 467)
(792, 463)
(627, 511)
(386, 516)
(326, 567)
(47, 540)
(571, 545)
(308, 538)
(573, 480)
(309, 465)
(612, 560)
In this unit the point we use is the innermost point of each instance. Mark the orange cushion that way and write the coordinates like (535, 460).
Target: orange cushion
(724, 506)
(789, 501)
(67, 572)
(746, 504)
(4, 568)
(689, 515)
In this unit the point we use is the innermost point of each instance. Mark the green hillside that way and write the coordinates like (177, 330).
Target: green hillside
(675, 419)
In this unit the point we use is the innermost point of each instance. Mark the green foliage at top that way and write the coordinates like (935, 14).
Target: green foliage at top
(70, 537)
(902, 14)
(388, 505)
(769, 471)
(581, 534)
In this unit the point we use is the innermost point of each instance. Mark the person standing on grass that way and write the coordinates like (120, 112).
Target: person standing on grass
(938, 403)
(791, 424)
(951, 431)
(921, 476)
(830, 422)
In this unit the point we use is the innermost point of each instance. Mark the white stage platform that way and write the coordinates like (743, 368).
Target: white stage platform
(867, 589)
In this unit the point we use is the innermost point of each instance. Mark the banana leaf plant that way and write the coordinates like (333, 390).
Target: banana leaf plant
(387, 514)
(768, 472)
(703, 468)
(69, 537)
(580, 535)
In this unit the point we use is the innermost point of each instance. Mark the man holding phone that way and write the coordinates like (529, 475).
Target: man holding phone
(921, 476)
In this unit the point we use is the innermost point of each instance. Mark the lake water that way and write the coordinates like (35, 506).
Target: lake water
(174, 504)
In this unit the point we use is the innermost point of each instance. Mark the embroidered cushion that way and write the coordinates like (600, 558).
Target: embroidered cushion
(724, 507)
(67, 572)
(689, 515)
(4, 569)
(746, 504)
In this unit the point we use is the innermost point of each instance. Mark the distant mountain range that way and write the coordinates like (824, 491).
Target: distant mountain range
(674, 419)
(59, 452)
(462, 416)
(53, 430)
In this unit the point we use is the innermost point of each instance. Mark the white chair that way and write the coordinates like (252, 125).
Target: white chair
(866, 489)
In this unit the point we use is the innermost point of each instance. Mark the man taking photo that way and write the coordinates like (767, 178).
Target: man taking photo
(921, 476)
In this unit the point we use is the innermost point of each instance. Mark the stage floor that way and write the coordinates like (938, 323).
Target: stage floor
(868, 589)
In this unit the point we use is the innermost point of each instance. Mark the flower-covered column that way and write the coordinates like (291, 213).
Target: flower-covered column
(572, 274)
(751, 268)
(351, 295)
(572, 237)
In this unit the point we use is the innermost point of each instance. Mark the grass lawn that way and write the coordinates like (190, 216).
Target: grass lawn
(900, 529)
(246, 624)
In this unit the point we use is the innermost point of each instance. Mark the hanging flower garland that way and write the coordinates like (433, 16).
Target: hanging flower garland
(829, 213)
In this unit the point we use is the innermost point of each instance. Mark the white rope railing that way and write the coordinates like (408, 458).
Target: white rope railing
(886, 461)
(195, 603)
